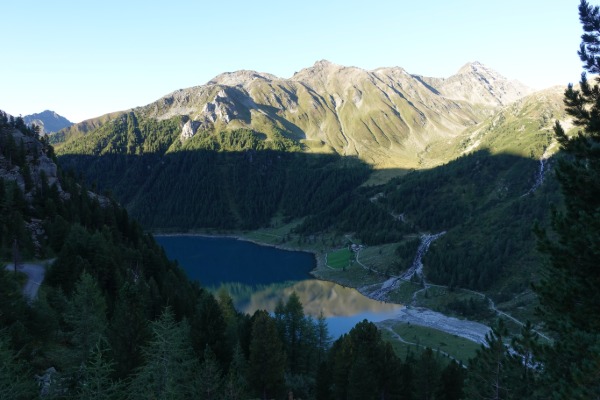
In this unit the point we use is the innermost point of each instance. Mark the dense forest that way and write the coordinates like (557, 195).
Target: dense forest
(241, 180)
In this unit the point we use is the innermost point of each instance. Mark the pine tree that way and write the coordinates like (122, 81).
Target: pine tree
(209, 376)
(129, 327)
(428, 377)
(16, 382)
(568, 292)
(236, 386)
(267, 358)
(489, 369)
(451, 382)
(209, 329)
(85, 319)
(323, 338)
(170, 363)
(96, 381)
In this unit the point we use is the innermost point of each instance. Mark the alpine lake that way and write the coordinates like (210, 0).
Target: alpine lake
(257, 277)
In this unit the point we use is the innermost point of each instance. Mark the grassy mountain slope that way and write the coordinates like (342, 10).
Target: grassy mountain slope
(385, 117)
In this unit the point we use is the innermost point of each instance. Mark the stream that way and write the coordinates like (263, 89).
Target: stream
(471, 330)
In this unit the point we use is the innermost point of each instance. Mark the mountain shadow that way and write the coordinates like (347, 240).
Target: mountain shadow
(188, 190)
(482, 200)
(485, 204)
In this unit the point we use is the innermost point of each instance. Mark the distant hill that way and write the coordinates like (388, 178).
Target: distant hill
(48, 121)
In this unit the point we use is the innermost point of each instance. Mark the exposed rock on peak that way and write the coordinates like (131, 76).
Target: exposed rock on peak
(240, 78)
(479, 84)
(474, 66)
(320, 69)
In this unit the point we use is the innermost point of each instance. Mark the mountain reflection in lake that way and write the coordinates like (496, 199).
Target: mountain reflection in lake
(257, 277)
(343, 307)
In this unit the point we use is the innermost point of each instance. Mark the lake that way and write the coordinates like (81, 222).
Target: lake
(257, 277)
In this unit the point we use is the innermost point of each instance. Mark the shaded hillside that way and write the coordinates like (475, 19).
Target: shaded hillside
(483, 202)
(223, 190)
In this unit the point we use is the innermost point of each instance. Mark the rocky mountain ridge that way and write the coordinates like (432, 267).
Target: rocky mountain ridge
(386, 117)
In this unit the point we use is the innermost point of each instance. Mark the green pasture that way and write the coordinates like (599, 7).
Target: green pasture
(340, 259)
(419, 337)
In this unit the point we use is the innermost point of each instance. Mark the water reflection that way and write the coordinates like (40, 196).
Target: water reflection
(343, 307)
(266, 275)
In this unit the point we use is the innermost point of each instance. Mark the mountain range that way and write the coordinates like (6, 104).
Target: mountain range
(48, 121)
(386, 117)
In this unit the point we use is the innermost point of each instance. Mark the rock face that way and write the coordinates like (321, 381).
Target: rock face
(478, 84)
(37, 160)
(387, 117)
(48, 121)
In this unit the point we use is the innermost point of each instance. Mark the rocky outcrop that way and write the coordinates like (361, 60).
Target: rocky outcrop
(37, 160)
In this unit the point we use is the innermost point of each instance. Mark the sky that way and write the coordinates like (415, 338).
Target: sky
(84, 59)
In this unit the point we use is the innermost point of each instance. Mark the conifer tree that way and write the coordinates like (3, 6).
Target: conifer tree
(236, 386)
(568, 292)
(428, 377)
(85, 319)
(170, 364)
(323, 337)
(489, 369)
(210, 376)
(16, 382)
(267, 359)
(451, 382)
(129, 327)
(96, 381)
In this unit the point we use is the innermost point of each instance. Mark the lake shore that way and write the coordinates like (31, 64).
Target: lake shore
(356, 277)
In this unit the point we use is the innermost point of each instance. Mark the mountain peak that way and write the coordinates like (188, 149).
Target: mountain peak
(240, 78)
(324, 64)
(476, 67)
(478, 83)
(49, 121)
(320, 67)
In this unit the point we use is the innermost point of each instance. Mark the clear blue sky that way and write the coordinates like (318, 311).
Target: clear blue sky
(83, 59)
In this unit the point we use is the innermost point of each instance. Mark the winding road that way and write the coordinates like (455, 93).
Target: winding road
(35, 276)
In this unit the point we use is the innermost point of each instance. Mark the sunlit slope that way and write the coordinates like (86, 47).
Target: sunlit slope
(386, 117)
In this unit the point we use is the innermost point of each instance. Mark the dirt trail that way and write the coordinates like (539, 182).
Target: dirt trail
(35, 276)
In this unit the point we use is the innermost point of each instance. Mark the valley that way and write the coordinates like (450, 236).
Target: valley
(381, 157)
(417, 196)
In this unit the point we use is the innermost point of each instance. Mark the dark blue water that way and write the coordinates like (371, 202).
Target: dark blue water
(213, 261)
(257, 277)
